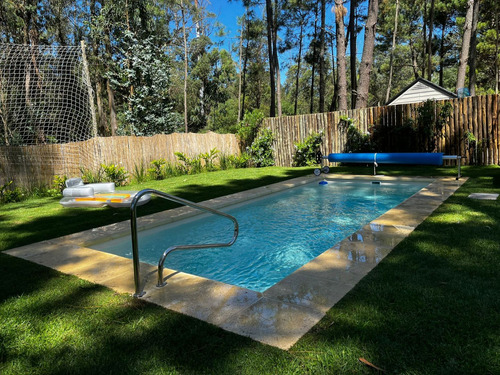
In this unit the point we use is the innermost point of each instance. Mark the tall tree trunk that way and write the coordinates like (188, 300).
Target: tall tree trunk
(27, 20)
(393, 47)
(313, 68)
(497, 48)
(424, 38)
(272, 70)
(276, 60)
(473, 50)
(429, 42)
(367, 57)
(351, 32)
(322, 68)
(464, 54)
(414, 63)
(340, 12)
(244, 83)
(441, 53)
(240, 67)
(184, 36)
(129, 58)
(4, 115)
(101, 118)
(198, 26)
(113, 122)
(333, 103)
(297, 76)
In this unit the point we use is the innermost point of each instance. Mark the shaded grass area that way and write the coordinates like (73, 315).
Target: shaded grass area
(431, 307)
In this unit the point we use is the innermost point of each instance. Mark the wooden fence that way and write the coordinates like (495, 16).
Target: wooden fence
(478, 115)
(36, 165)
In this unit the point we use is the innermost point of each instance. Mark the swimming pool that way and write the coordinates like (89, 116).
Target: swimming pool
(279, 233)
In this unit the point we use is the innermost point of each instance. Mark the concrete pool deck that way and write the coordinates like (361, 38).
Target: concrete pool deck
(280, 315)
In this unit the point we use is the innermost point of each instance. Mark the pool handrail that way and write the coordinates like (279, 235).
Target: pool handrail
(185, 202)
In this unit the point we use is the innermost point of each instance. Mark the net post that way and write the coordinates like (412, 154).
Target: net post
(89, 88)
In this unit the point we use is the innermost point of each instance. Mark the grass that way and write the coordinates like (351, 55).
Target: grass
(431, 307)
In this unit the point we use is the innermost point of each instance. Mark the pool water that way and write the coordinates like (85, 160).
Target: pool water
(279, 233)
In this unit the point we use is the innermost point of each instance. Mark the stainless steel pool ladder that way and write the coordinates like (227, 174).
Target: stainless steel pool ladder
(185, 202)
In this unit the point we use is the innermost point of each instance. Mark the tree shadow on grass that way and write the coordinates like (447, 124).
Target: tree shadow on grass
(430, 307)
(59, 324)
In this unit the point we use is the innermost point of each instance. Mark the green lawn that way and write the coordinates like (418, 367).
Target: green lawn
(431, 307)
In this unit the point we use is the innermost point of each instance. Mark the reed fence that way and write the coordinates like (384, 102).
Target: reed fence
(29, 166)
(37, 164)
(478, 115)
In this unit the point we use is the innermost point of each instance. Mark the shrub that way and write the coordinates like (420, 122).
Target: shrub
(208, 158)
(90, 177)
(355, 140)
(116, 174)
(55, 190)
(261, 151)
(414, 135)
(157, 169)
(306, 151)
(234, 161)
(191, 165)
(248, 128)
(431, 118)
(140, 173)
(9, 194)
(59, 183)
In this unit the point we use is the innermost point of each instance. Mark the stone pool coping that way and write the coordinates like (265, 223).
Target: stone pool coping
(282, 314)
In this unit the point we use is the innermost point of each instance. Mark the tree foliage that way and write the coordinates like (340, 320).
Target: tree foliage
(293, 57)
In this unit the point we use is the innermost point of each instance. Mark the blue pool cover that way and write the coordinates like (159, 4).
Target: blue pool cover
(389, 158)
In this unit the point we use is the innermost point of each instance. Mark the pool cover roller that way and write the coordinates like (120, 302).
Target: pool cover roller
(389, 158)
(422, 158)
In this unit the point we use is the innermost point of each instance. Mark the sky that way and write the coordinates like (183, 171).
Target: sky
(227, 13)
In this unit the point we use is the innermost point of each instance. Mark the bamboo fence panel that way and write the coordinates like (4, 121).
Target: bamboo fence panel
(478, 115)
(35, 165)
(31, 165)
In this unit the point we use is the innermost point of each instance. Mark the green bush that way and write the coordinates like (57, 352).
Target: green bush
(9, 194)
(59, 183)
(431, 118)
(306, 151)
(208, 158)
(234, 161)
(248, 128)
(157, 169)
(261, 151)
(116, 174)
(191, 165)
(355, 140)
(55, 190)
(140, 173)
(91, 177)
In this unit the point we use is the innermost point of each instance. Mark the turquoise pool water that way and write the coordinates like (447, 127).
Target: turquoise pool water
(279, 233)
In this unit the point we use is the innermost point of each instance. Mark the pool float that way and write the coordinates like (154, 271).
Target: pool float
(77, 194)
